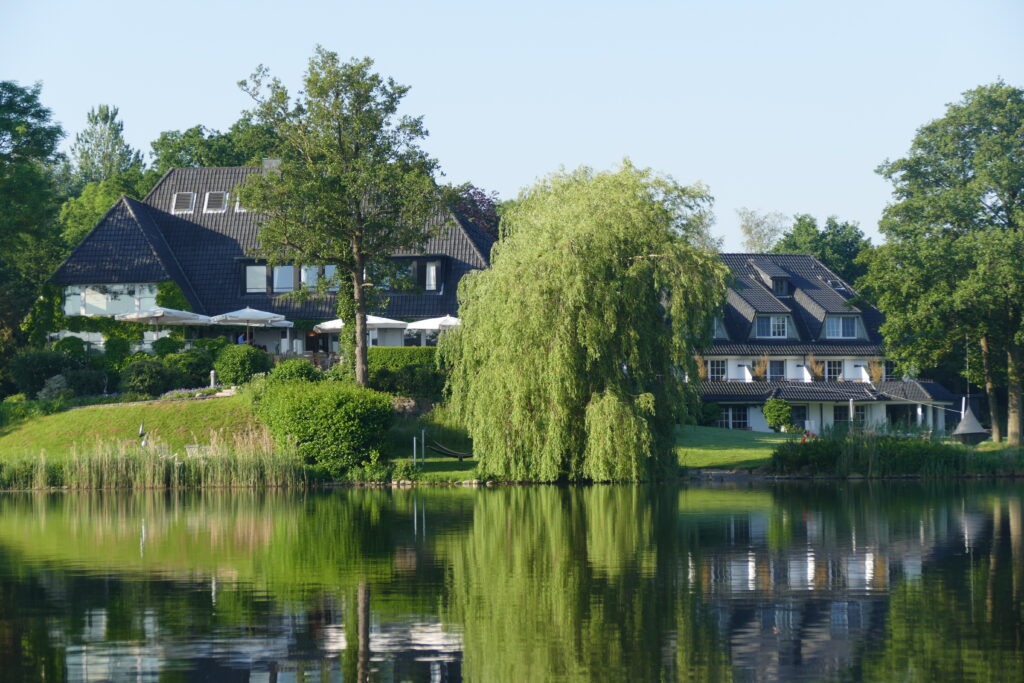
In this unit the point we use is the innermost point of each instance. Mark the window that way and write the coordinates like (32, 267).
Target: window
(776, 370)
(718, 329)
(183, 202)
(430, 283)
(716, 370)
(890, 371)
(841, 413)
(841, 327)
(798, 416)
(216, 202)
(833, 370)
(773, 326)
(734, 417)
(255, 279)
(780, 286)
(284, 278)
(309, 276)
(330, 273)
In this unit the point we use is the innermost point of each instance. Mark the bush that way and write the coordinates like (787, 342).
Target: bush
(295, 369)
(237, 363)
(71, 346)
(191, 369)
(31, 369)
(333, 425)
(55, 389)
(88, 381)
(777, 413)
(405, 370)
(871, 455)
(116, 351)
(709, 414)
(146, 376)
(167, 345)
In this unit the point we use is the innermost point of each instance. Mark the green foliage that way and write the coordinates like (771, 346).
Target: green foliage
(709, 414)
(167, 345)
(847, 452)
(345, 150)
(596, 301)
(31, 368)
(405, 371)
(237, 363)
(333, 425)
(71, 346)
(295, 369)
(100, 151)
(170, 295)
(146, 376)
(55, 389)
(777, 413)
(88, 381)
(191, 369)
(81, 213)
(244, 144)
(760, 230)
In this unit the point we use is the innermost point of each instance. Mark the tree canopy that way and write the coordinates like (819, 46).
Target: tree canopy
(838, 244)
(28, 150)
(245, 143)
(760, 230)
(952, 264)
(100, 151)
(353, 185)
(574, 346)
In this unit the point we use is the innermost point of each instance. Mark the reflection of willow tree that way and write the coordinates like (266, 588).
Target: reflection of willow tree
(553, 584)
(963, 620)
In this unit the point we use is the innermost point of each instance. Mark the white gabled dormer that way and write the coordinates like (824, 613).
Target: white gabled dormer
(773, 326)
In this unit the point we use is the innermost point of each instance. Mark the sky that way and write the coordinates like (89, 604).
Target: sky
(778, 106)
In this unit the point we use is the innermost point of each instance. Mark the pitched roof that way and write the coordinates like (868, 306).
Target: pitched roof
(205, 252)
(814, 293)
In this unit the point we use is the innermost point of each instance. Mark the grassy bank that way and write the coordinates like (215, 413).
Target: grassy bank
(727, 449)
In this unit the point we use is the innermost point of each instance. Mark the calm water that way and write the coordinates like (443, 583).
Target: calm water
(800, 582)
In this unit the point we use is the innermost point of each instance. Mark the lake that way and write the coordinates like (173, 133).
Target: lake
(743, 582)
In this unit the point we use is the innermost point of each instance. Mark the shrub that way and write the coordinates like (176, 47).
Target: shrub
(191, 369)
(71, 346)
(333, 425)
(295, 369)
(709, 414)
(146, 376)
(871, 455)
(88, 381)
(405, 370)
(237, 363)
(116, 351)
(777, 413)
(31, 369)
(55, 389)
(167, 345)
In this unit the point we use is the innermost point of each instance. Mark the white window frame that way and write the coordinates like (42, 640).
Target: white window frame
(309, 276)
(251, 279)
(715, 376)
(776, 377)
(283, 279)
(191, 202)
(835, 327)
(430, 280)
(775, 323)
(224, 205)
(829, 365)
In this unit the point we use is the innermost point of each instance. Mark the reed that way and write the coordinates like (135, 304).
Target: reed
(245, 460)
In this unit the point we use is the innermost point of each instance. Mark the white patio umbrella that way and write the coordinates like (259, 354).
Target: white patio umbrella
(445, 322)
(160, 315)
(250, 317)
(373, 322)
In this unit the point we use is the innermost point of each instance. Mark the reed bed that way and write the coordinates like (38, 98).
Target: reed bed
(246, 460)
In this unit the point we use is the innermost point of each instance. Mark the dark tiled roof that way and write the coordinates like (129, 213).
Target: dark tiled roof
(206, 253)
(828, 392)
(819, 349)
(815, 292)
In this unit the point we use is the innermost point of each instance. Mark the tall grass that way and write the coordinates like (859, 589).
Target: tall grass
(245, 460)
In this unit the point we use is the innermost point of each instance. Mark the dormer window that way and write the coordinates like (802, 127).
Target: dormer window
(780, 286)
(773, 327)
(216, 202)
(183, 202)
(718, 329)
(841, 327)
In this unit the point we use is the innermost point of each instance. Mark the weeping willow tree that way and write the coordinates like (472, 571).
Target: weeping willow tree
(575, 344)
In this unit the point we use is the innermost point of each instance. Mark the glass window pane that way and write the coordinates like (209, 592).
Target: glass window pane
(284, 278)
(255, 279)
(310, 276)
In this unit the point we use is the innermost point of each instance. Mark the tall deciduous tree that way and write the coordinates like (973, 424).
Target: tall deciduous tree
(28, 148)
(760, 230)
(949, 268)
(100, 151)
(838, 245)
(574, 345)
(353, 185)
(244, 143)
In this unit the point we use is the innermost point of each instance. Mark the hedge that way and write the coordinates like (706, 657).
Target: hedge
(237, 363)
(334, 425)
(405, 370)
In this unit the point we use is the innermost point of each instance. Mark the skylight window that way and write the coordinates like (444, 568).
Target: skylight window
(183, 202)
(216, 202)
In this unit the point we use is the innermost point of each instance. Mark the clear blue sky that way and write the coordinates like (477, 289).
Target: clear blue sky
(782, 106)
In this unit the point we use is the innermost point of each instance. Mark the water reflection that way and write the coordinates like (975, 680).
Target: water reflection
(811, 582)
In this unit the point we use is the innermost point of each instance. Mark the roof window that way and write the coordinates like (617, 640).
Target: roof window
(216, 202)
(183, 202)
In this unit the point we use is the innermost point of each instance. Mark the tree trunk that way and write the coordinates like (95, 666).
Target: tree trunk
(359, 298)
(1013, 394)
(990, 390)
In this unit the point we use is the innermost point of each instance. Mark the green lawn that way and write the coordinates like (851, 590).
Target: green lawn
(729, 449)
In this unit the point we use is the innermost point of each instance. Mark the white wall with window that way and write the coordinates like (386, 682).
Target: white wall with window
(108, 300)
